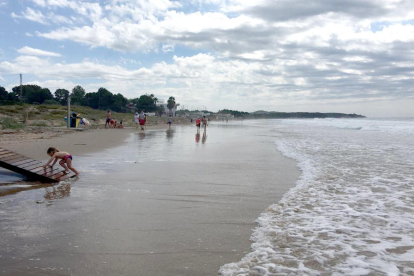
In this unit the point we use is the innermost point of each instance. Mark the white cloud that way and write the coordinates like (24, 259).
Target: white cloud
(32, 15)
(36, 52)
(217, 83)
(317, 52)
(41, 3)
(167, 48)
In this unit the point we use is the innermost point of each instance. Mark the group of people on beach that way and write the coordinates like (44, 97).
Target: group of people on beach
(139, 119)
(198, 123)
(110, 122)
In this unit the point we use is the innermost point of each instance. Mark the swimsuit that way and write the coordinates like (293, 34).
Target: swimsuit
(67, 157)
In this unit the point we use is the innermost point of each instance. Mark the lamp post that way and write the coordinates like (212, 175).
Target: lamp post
(68, 115)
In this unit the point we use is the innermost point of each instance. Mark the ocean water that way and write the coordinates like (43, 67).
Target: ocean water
(351, 211)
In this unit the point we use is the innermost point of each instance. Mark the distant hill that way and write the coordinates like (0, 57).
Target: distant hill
(262, 114)
(292, 115)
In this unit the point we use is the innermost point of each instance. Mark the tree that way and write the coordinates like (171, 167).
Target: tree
(146, 102)
(92, 100)
(77, 97)
(171, 103)
(120, 103)
(32, 93)
(61, 95)
(4, 95)
(105, 98)
(40, 96)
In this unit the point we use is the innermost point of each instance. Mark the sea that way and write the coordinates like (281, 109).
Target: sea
(351, 212)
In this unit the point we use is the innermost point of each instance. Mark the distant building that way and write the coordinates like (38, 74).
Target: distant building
(223, 116)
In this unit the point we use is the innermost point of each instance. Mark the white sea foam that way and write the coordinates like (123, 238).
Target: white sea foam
(352, 210)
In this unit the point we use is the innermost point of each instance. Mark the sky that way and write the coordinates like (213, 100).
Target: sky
(349, 56)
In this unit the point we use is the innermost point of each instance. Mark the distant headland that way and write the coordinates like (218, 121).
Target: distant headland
(261, 114)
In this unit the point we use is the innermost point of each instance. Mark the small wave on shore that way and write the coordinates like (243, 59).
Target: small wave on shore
(352, 210)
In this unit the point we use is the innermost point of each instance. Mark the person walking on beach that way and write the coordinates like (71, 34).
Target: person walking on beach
(198, 122)
(204, 123)
(108, 118)
(142, 119)
(136, 119)
(66, 159)
(169, 122)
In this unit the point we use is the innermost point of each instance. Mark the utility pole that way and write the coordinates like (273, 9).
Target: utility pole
(68, 115)
(21, 87)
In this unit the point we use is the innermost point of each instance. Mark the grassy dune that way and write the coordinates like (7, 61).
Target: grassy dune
(21, 116)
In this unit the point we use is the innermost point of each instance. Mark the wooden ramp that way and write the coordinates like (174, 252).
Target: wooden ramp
(32, 168)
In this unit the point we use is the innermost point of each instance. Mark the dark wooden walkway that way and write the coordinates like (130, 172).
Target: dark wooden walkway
(32, 168)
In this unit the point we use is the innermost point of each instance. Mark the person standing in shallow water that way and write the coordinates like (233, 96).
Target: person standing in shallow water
(198, 122)
(169, 122)
(204, 123)
(136, 119)
(108, 118)
(142, 119)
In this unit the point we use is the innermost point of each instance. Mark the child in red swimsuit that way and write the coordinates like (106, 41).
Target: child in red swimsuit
(66, 159)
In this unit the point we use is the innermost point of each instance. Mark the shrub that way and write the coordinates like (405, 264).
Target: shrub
(10, 123)
(39, 124)
(52, 102)
(58, 112)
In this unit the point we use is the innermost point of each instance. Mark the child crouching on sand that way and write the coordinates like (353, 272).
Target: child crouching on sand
(65, 156)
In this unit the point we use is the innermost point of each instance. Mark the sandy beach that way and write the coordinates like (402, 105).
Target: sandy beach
(158, 202)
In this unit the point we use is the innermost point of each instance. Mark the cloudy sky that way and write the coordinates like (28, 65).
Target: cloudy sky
(351, 56)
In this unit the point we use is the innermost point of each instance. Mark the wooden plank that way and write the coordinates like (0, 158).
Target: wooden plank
(29, 164)
(57, 176)
(20, 163)
(7, 155)
(9, 158)
(37, 170)
(32, 166)
(6, 152)
(21, 158)
(51, 173)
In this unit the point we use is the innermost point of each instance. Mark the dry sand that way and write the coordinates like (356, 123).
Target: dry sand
(35, 143)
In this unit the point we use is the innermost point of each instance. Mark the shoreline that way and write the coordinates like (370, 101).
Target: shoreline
(34, 143)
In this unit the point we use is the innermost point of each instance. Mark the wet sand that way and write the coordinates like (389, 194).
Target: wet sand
(161, 203)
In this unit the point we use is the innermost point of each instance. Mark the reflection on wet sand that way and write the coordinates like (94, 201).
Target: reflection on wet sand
(141, 135)
(204, 139)
(58, 191)
(19, 186)
(170, 133)
(197, 137)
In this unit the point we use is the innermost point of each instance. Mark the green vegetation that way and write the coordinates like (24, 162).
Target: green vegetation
(237, 114)
(103, 99)
(45, 115)
(11, 123)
